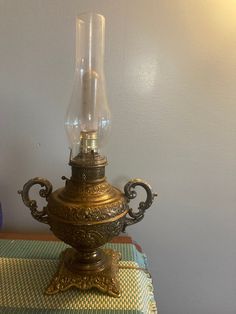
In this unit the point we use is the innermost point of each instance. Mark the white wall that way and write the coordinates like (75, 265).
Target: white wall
(171, 76)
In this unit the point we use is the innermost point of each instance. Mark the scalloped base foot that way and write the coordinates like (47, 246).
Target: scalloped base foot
(104, 280)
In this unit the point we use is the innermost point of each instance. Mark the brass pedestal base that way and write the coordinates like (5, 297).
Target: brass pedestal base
(104, 279)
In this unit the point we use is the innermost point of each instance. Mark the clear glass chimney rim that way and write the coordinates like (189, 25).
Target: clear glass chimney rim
(84, 16)
(90, 41)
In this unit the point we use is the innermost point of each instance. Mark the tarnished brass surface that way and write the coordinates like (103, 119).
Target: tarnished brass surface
(87, 213)
(40, 215)
(69, 276)
(130, 193)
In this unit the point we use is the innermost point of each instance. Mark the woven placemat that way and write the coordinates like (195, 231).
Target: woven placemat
(26, 268)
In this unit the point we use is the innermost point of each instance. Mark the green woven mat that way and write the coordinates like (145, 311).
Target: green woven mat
(51, 250)
(26, 268)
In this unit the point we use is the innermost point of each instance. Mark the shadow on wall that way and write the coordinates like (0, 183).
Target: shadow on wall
(16, 163)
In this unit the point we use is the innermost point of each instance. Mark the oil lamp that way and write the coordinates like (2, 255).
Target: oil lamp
(87, 212)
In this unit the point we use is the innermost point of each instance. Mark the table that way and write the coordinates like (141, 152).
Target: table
(28, 261)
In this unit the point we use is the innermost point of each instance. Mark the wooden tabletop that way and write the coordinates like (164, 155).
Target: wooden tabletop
(28, 236)
(123, 238)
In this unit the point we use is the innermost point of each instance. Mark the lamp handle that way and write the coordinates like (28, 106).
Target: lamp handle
(130, 194)
(39, 215)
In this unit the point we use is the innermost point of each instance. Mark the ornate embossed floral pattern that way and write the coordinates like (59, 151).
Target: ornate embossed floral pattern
(88, 189)
(79, 214)
(104, 280)
(87, 236)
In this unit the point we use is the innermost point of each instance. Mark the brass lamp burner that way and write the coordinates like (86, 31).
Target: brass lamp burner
(87, 213)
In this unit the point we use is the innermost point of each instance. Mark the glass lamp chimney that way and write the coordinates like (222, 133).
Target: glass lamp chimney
(88, 116)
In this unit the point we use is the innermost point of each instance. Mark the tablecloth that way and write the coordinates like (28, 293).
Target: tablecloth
(26, 268)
